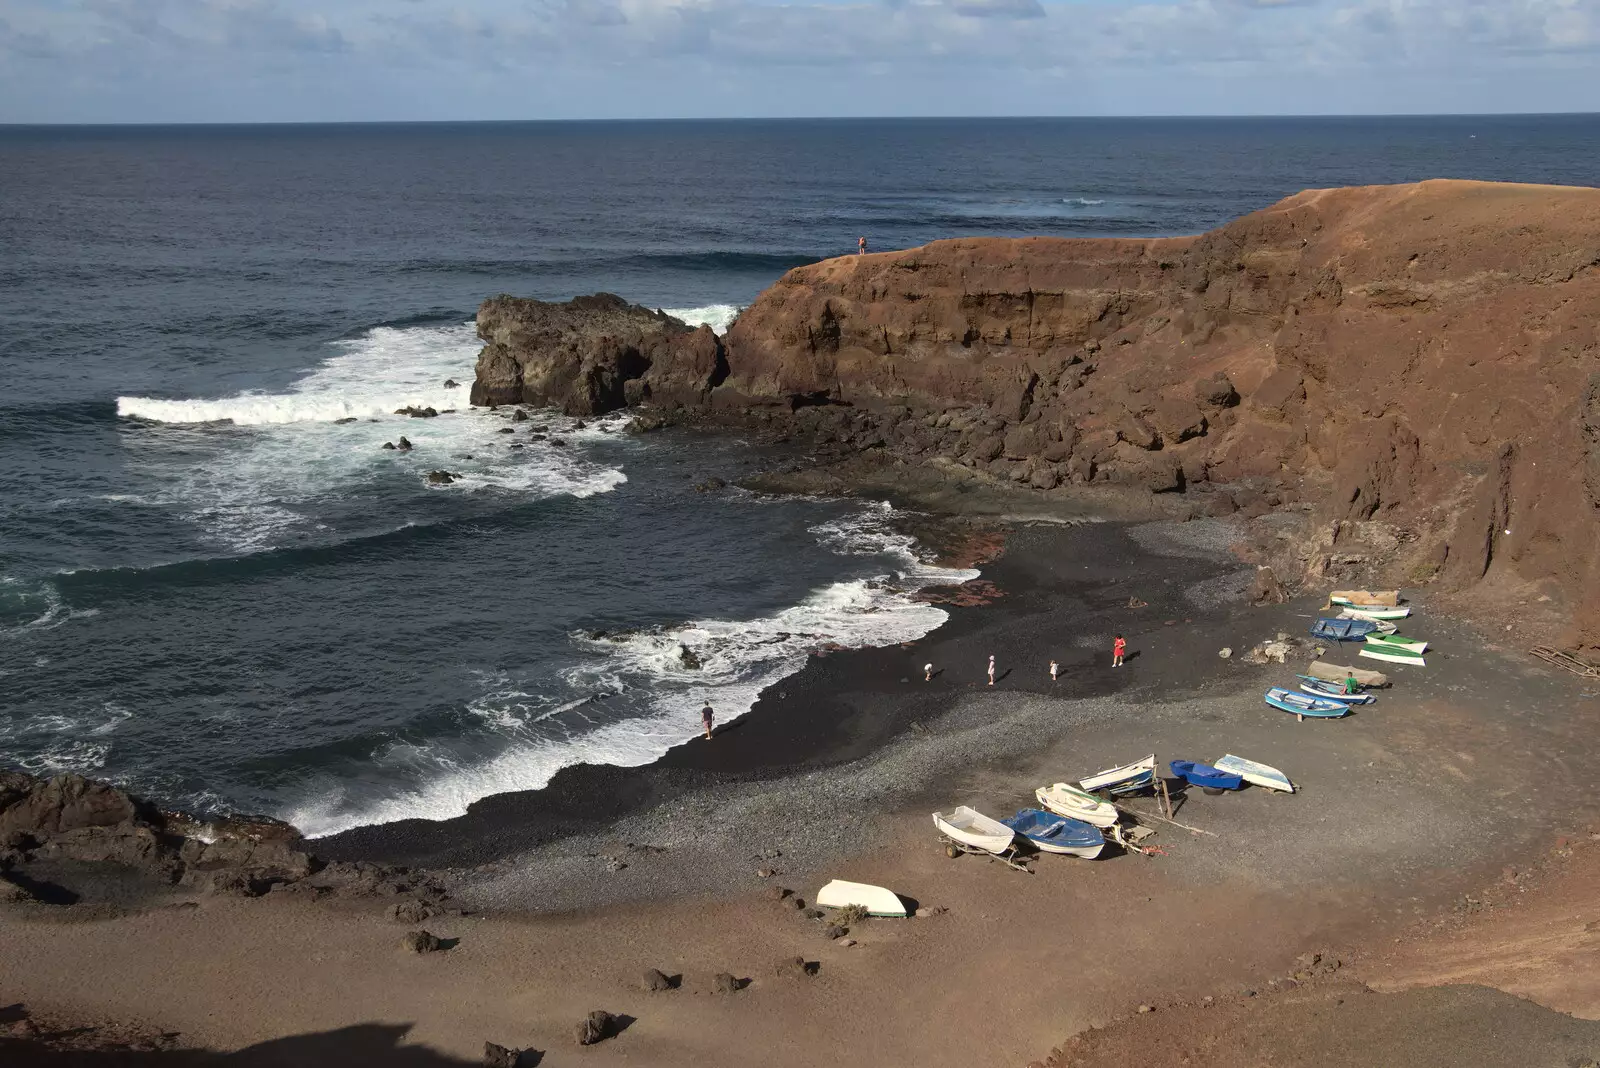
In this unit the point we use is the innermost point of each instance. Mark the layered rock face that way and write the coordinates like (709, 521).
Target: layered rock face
(1419, 365)
(591, 355)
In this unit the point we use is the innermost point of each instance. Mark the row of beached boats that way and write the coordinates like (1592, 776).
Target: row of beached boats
(1364, 616)
(1075, 819)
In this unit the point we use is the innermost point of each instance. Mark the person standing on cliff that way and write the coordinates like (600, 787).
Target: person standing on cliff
(1054, 668)
(861, 247)
(706, 718)
(1118, 648)
(991, 669)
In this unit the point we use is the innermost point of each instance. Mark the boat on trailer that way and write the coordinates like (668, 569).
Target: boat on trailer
(1255, 773)
(1128, 779)
(970, 831)
(1058, 834)
(876, 900)
(1303, 704)
(1067, 800)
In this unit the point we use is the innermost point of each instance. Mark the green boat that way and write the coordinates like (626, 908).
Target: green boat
(1372, 611)
(1394, 654)
(1415, 645)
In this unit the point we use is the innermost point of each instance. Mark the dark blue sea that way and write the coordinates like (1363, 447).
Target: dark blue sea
(219, 590)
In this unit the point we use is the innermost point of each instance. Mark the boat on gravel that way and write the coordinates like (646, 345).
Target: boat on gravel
(1333, 691)
(1366, 598)
(1255, 773)
(1058, 834)
(1343, 630)
(1303, 704)
(969, 827)
(1394, 654)
(875, 899)
(1128, 779)
(1415, 645)
(1066, 800)
(1382, 626)
(1206, 776)
(1378, 614)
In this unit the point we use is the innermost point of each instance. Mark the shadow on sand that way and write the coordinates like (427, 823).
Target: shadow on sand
(348, 1047)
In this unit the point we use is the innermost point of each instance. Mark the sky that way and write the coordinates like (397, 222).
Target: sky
(376, 60)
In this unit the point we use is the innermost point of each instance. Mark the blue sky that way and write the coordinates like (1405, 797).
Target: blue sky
(337, 60)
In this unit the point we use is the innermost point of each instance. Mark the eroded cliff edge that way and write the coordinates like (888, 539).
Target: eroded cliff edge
(1417, 365)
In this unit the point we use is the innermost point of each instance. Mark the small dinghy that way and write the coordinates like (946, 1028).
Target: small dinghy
(1333, 691)
(1058, 834)
(1128, 779)
(1343, 630)
(1400, 641)
(1394, 654)
(875, 899)
(1383, 626)
(1303, 704)
(1339, 672)
(1256, 774)
(1206, 776)
(1379, 614)
(1066, 800)
(969, 827)
(1366, 598)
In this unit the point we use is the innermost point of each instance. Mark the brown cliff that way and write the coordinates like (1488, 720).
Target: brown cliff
(1418, 365)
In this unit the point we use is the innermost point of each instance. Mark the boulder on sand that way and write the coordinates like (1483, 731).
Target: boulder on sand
(725, 983)
(596, 1027)
(421, 942)
(656, 981)
(500, 1056)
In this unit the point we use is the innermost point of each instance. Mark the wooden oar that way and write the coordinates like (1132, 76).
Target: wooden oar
(1163, 819)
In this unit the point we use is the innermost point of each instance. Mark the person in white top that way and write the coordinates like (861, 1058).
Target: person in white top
(927, 672)
(991, 669)
(1054, 667)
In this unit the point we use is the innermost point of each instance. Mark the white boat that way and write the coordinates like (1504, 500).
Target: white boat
(1130, 778)
(1377, 615)
(1392, 655)
(1067, 800)
(1256, 774)
(1383, 625)
(972, 828)
(875, 899)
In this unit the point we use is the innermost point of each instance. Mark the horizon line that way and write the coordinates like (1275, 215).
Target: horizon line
(803, 118)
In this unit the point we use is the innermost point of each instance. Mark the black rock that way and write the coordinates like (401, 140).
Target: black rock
(508, 430)
(346, 419)
(388, 444)
(688, 658)
(409, 912)
(559, 443)
(519, 416)
(417, 413)
(451, 383)
(441, 478)
(834, 930)
(404, 445)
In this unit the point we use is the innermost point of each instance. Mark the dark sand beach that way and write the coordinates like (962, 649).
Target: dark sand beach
(1405, 809)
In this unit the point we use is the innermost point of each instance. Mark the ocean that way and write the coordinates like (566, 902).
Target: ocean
(216, 586)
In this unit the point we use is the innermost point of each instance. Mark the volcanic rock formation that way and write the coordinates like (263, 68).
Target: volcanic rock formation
(1419, 365)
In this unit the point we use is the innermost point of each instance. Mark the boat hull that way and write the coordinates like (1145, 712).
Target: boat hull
(1392, 655)
(1053, 833)
(1377, 613)
(1398, 641)
(1128, 779)
(1256, 774)
(1204, 775)
(877, 900)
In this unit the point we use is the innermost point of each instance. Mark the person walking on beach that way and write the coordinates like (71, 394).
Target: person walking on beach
(1118, 648)
(1054, 667)
(706, 719)
(927, 672)
(861, 247)
(991, 669)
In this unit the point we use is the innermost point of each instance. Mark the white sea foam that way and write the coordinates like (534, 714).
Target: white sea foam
(61, 742)
(255, 487)
(717, 316)
(737, 660)
(1082, 202)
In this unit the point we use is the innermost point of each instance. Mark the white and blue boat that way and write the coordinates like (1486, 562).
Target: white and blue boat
(1333, 691)
(1343, 630)
(1255, 773)
(1206, 776)
(1058, 834)
(1303, 704)
(1128, 779)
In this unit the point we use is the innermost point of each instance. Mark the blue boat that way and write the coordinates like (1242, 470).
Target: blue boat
(1333, 691)
(1343, 630)
(1204, 775)
(1303, 704)
(1057, 834)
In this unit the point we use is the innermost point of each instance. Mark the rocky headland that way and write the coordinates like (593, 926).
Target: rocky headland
(1407, 376)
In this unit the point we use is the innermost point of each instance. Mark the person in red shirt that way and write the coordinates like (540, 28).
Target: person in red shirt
(1118, 647)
